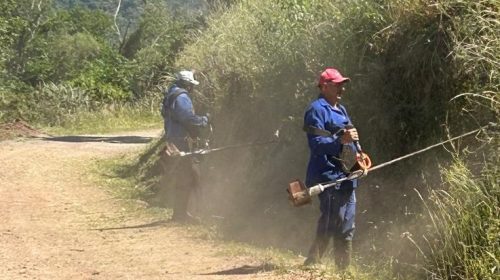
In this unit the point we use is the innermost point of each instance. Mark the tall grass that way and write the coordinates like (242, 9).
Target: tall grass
(419, 69)
(466, 214)
(465, 243)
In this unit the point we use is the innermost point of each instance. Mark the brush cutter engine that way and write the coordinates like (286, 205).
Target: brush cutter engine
(298, 194)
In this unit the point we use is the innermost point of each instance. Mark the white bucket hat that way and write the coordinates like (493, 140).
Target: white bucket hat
(187, 76)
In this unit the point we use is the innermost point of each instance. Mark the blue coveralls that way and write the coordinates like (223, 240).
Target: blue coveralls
(337, 204)
(180, 123)
(179, 119)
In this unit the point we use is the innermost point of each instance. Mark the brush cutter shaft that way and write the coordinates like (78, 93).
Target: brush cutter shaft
(301, 195)
(354, 175)
(207, 151)
(428, 148)
(315, 190)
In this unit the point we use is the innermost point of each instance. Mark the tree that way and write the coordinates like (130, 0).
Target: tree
(152, 47)
(20, 23)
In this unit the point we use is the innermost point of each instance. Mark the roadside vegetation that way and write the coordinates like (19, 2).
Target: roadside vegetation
(115, 176)
(67, 68)
(421, 71)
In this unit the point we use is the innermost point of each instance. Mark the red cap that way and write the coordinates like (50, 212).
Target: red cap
(331, 75)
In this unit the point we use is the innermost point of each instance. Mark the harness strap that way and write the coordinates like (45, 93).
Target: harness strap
(171, 99)
(319, 132)
(362, 159)
(170, 102)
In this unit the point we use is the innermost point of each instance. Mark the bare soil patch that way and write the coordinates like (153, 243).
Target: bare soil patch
(50, 209)
(17, 128)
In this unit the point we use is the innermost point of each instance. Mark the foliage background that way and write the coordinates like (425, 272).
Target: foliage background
(420, 71)
(62, 58)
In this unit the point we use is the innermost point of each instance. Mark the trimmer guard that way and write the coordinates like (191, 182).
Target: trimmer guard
(298, 194)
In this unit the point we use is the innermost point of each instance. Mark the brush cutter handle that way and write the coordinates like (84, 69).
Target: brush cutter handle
(363, 160)
(356, 142)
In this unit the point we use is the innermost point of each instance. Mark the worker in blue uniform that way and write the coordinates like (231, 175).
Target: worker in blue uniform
(182, 127)
(337, 204)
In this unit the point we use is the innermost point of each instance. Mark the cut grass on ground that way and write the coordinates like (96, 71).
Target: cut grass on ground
(109, 173)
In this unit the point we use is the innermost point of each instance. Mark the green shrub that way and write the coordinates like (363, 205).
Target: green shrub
(415, 67)
(63, 57)
(48, 52)
(153, 46)
(76, 110)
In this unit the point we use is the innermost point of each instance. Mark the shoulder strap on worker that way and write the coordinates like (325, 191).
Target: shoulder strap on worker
(169, 101)
(320, 132)
(172, 97)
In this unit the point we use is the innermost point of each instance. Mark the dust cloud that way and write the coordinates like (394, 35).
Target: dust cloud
(243, 192)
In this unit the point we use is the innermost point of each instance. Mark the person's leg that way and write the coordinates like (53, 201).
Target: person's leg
(343, 252)
(182, 189)
(317, 249)
(194, 188)
(323, 231)
(189, 171)
(164, 190)
(344, 207)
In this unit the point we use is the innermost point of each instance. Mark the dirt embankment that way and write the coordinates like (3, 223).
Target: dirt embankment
(49, 210)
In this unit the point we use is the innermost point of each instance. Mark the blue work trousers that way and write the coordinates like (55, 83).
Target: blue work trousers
(338, 207)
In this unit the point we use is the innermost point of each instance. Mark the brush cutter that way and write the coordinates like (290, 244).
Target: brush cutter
(172, 150)
(242, 145)
(353, 161)
(299, 195)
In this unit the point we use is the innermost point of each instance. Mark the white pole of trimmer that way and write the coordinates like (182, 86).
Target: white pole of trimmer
(319, 188)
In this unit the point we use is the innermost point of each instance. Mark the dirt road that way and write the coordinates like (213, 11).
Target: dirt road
(49, 207)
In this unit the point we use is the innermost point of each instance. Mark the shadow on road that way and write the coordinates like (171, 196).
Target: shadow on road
(107, 139)
(245, 269)
(152, 224)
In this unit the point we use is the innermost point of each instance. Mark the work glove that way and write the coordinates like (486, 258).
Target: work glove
(205, 121)
(350, 135)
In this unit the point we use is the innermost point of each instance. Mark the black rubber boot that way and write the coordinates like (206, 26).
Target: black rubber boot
(343, 253)
(317, 250)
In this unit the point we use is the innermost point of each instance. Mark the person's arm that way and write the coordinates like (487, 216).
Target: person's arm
(184, 113)
(350, 134)
(321, 145)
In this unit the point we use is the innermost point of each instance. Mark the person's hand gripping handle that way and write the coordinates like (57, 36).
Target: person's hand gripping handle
(350, 135)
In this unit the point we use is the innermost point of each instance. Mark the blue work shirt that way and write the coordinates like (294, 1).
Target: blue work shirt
(179, 118)
(322, 165)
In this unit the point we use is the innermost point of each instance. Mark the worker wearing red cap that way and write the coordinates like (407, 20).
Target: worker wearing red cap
(337, 204)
